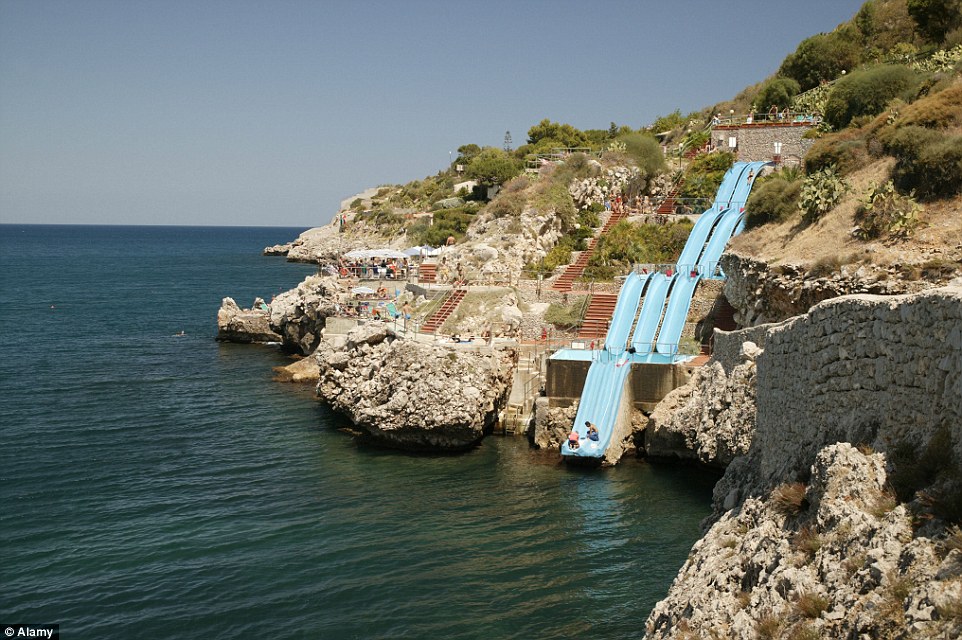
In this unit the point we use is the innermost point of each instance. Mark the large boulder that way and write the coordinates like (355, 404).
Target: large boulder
(298, 316)
(244, 325)
(410, 395)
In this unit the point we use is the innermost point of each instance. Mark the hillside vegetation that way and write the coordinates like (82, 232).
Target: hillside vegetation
(881, 184)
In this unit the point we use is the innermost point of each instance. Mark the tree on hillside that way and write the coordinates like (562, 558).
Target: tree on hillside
(778, 92)
(936, 18)
(493, 166)
(820, 58)
(555, 134)
(644, 149)
(466, 153)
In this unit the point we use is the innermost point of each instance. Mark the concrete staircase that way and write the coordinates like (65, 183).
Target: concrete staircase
(448, 304)
(427, 273)
(598, 316)
(573, 271)
(667, 205)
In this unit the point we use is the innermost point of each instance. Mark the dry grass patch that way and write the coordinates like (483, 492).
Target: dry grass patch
(789, 498)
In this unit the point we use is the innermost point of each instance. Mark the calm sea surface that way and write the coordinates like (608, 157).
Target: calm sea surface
(153, 486)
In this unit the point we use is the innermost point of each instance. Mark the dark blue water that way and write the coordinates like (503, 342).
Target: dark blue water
(161, 487)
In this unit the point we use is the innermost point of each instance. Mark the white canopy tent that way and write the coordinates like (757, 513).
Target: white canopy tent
(367, 254)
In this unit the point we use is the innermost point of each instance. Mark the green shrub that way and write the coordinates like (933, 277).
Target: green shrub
(705, 173)
(447, 223)
(629, 243)
(777, 92)
(565, 317)
(936, 172)
(907, 142)
(507, 203)
(844, 152)
(885, 212)
(866, 92)
(645, 150)
(937, 111)
(819, 194)
(555, 198)
(773, 200)
(820, 58)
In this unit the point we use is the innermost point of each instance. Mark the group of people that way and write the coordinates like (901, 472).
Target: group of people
(574, 438)
(640, 204)
(390, 269)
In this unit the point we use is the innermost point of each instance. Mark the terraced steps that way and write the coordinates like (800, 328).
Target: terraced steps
(598, 316)
(448, 305)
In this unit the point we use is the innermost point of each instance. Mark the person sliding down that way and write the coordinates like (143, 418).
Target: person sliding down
(592, 431)
(573, 439)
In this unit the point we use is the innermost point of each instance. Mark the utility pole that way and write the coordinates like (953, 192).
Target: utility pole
(507, 141)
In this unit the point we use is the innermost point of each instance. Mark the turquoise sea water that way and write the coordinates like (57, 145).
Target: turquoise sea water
(153, 486)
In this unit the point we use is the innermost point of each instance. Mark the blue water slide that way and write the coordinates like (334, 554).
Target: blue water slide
(650, 315)
(744, 186)
(731, 223)
(676, 313)
(716, 245)
(605, 383)
(696, 239)
(732, 177)
(624, 313)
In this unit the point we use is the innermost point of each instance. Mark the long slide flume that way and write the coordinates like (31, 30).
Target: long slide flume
(605, 381)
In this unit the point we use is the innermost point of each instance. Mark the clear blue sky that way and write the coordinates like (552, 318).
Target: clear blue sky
(272, 112)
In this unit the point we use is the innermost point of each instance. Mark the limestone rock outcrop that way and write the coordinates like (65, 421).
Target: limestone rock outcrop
(835, 523)
(711, 419)
(762, 293)
(298, 315)
(417, 396)
(245, 325)
(552, 424)
(834, 559)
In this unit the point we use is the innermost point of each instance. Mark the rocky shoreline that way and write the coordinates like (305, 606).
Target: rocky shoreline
(816, 418)
(836, 520)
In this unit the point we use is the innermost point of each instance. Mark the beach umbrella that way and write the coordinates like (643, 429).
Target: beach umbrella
(357, 254)
(363, 290)
(413, 251)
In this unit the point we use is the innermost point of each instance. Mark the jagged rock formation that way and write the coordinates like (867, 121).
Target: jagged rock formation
(711, 419)
(412, 395)
(551, 424)
(244, 325)
(807, 536)
(298, 315)
(837, 559)
(762, 293)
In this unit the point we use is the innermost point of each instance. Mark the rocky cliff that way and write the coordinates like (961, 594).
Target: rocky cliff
(417, 396)
(762, 293)
(245, 325)
(298, 315)
(294, 318)
(836, 521)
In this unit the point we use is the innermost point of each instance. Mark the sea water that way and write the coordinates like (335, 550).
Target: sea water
(156, 486)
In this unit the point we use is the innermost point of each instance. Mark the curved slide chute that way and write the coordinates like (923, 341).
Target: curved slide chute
(677, 312)
(650, 315)
(624, 314)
